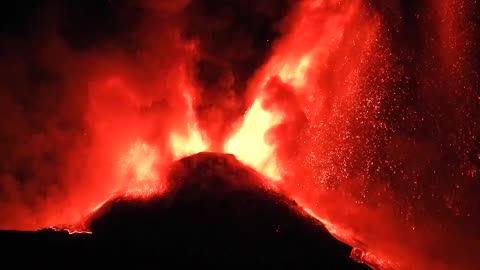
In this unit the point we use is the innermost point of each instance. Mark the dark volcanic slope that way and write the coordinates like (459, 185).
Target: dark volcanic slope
(217, 213)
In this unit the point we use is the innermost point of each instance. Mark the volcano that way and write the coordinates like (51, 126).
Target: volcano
(216, 212)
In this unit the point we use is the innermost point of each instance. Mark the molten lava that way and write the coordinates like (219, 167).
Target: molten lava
(139, 167)
(249, 143)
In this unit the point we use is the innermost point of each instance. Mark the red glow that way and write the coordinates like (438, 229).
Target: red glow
(189, 141)
(139, 167)
(314, 126)
(249, 142)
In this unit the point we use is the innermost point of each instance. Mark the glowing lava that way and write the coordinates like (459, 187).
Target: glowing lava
(250, 145)
(140, 167)
(190, 140)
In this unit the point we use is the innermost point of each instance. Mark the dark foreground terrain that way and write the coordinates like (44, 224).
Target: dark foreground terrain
(217, 213)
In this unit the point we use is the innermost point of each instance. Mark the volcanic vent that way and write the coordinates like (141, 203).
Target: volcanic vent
(216, 212)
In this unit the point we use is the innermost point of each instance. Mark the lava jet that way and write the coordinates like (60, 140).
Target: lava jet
(215, 212)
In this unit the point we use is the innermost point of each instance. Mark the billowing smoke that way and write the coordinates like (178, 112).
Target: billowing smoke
(234, 39)
(79, 80)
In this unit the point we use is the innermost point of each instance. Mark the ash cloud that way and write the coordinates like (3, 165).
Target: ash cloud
(78, 79)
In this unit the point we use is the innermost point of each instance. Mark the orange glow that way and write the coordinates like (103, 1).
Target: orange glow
(294, 73)
(191, 142)
(249, 144)
(140, 167)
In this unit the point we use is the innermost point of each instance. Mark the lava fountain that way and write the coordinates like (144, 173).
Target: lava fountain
(363, 112)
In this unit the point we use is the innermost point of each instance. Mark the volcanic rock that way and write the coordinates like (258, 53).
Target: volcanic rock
(216, 213)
